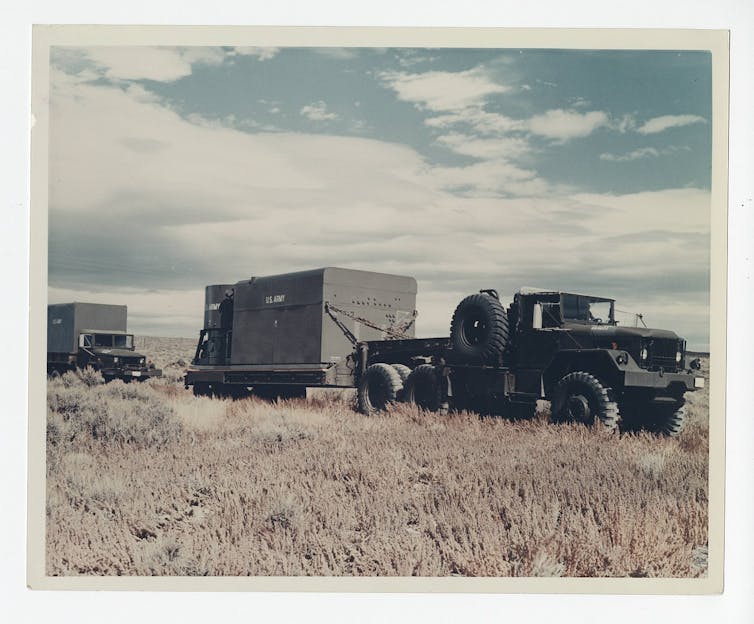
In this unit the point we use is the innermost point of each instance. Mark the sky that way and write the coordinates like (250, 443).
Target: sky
(589, 171)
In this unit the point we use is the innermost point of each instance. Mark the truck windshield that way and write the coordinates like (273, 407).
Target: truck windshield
(123, 342)
(119, 341)
(587, 309)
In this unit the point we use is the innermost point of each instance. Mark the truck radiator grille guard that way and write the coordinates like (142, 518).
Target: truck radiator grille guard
(662, 353)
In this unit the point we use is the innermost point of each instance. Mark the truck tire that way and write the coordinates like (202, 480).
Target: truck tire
(479, 329)
(379, 386)
(423, 388)
(580, 397)
(403, 371)
(668, 420)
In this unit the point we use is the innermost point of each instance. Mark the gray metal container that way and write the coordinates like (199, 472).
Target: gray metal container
(65, 321)
(213, 296)
(281, 319)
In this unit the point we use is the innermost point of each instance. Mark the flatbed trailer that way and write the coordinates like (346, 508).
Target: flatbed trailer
(340, 328)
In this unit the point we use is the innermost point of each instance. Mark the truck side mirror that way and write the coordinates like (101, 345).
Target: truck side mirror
(536, 321)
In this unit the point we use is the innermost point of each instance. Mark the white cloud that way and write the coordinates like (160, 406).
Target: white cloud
(132, 181)
(563, 125)
(317, 111)
(508, 148)
(477, 119)
(344, 54)
(662, 123)
(642, 152)
(443, 91)
(164, 64)
(262, 53)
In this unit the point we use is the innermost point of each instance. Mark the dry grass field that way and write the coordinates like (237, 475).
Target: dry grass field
(146, 479)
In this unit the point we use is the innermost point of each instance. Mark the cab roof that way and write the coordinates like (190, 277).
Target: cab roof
(527, 290)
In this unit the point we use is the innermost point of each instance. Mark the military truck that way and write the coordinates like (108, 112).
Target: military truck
(81, 335)
(342, 328)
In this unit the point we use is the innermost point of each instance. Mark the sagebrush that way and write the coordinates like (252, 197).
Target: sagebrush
(145, 479)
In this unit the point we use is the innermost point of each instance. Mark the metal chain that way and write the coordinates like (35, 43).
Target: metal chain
(393, 333)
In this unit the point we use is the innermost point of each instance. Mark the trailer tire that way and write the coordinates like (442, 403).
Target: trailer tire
(580, 397)
(201, 390)
(403, 371)
(423, 388)
(479, 329)
(379, 387)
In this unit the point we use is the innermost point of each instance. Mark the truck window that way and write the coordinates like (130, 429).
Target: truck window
(103, 340)
(85, 340)
(124, 342)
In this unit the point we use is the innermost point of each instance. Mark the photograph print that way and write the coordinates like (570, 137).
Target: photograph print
(382, 311)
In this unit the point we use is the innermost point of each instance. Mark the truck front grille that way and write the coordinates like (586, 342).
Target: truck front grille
(662, 354)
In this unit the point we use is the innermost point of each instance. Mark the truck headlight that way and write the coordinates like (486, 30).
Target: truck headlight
(678, 357)
(622, 358)
(644, 353)
(115, 360)
(141, 361)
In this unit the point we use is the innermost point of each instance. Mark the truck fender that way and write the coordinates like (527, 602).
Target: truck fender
(598, 362)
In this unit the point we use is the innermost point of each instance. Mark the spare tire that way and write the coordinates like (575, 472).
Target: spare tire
(479, 330)
(379, 386)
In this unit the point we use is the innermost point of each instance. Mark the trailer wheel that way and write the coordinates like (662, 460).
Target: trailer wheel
(403, 371)
(580, 397)
(479, 329)
(423, 388)
(378, 387)
(201, 390)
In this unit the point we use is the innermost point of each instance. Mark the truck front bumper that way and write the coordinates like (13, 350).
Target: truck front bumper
(661, 380)
(128, 375)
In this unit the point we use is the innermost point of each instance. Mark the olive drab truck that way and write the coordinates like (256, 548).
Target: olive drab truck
(81, 335)
(344, 328)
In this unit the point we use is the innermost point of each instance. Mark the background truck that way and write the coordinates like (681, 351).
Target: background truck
(94, 334)
(343, 328)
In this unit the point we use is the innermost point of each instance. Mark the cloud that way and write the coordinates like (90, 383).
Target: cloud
(563, 125)
(164, 64)
(476, 119)
(146, 208)
(441, 90)
(662, 123)
(498, 148)
(317, 111)
(641, 152)
(262, 53)
(344, 54)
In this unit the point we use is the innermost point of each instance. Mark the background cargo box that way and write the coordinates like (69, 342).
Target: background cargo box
(65, 321)
(282, 319)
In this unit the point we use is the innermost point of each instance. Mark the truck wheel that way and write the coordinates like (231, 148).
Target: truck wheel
(580, 397)
(403, 372)
(423, 388)
(378, 387)
(201, 390)
(668, 420)
(479, 329)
